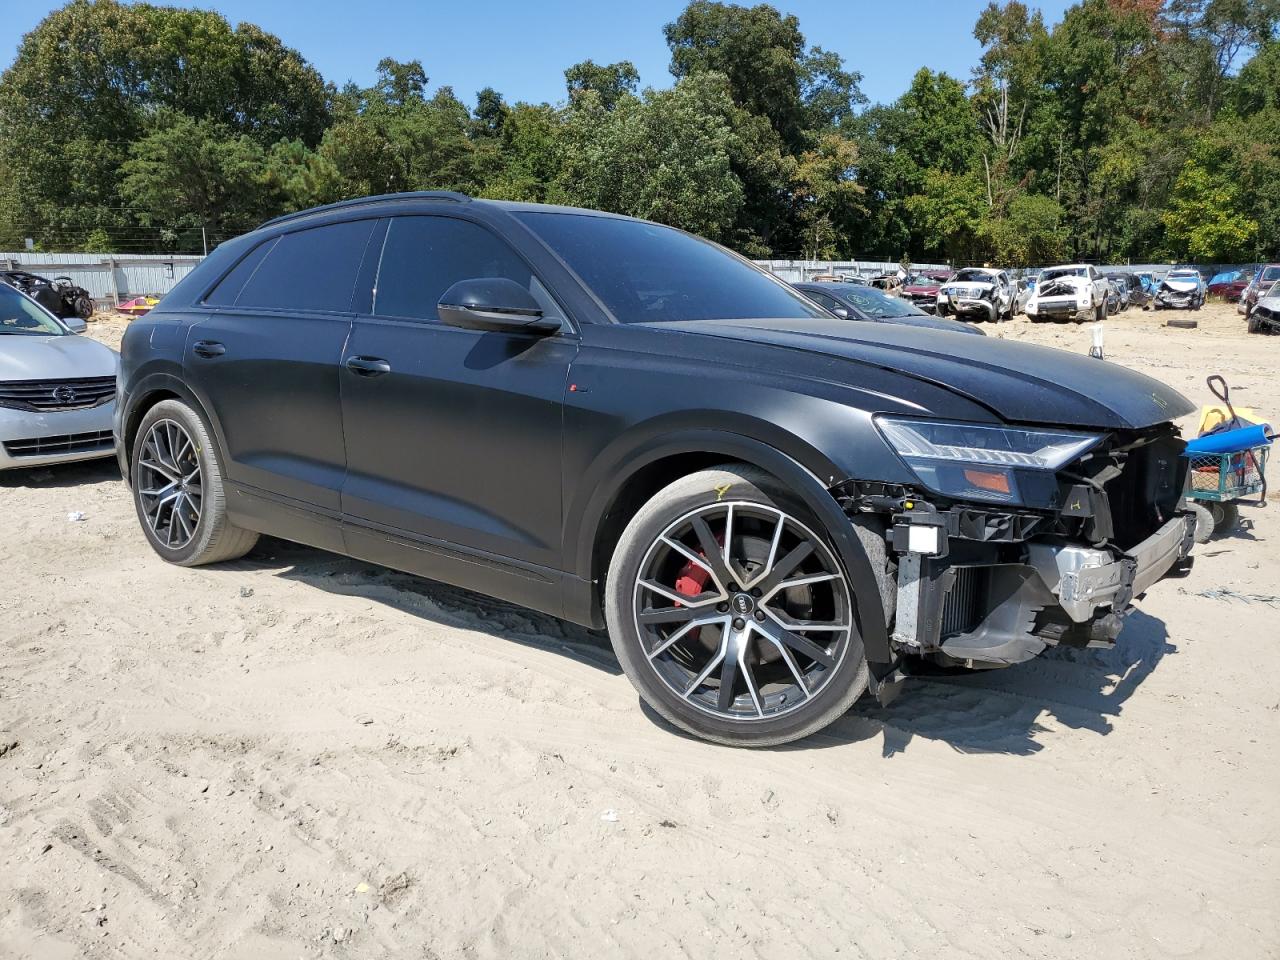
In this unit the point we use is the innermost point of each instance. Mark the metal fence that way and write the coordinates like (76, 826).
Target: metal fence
(109, 278)
(799, 271)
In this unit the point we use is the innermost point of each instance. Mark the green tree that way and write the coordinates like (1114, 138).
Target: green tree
(609, 82)
(91, 77)
(770, 73)
(189, 174)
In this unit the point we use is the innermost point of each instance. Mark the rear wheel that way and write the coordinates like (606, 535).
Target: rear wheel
(1226, 516)
(731, 614)
(178, 491)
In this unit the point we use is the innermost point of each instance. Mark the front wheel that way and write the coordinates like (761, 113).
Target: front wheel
(178, 491)
(731, 614)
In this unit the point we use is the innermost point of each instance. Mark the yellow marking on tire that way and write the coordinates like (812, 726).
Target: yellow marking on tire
(722, 490)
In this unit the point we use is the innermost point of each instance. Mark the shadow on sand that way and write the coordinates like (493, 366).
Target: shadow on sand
(997, 711)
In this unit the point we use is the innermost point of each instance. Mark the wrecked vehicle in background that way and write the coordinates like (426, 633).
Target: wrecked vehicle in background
(1265, 315)
(1117, 298)
(977, 293)
(1263, 278)
(1132, 290)
(921, 290)
(1075, 291)
(1229, 285)
(1181, 289)
(60, 296)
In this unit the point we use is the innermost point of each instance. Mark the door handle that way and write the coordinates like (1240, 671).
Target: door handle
(208, 349)
(368, 366)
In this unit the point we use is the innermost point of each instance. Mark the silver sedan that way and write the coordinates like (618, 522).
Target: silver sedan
(57, 389)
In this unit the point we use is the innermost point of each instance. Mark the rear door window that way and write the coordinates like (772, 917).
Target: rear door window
(312, 269)
(424, 256)
(229, 287)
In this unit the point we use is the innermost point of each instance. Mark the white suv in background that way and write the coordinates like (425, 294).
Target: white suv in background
(1073, 291)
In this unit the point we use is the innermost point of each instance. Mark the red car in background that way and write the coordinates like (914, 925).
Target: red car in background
(922, 289)
(1229, 286)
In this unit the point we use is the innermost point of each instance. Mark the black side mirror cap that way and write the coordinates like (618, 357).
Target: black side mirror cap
(494, 304)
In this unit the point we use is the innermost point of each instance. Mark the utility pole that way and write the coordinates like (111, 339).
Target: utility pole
(204, 240)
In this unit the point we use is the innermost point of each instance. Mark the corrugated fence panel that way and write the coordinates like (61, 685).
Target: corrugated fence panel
(109, 279)
(798, 271)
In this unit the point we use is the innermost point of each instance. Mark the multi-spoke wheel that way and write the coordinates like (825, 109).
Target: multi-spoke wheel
(170, 489)
(177, 489)
(731, 614)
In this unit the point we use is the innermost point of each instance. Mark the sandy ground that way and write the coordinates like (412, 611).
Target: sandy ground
(299, 756)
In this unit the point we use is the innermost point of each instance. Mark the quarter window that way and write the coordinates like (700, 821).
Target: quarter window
(311, 269)
(424, 256)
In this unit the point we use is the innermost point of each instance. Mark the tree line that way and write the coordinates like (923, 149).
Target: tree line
(1134, 129)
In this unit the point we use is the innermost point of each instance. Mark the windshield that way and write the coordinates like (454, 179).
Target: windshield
(20, 316)
(877, 304)
(1270, 273)
(1183, 275)
(646, 273)
(973, 276)
(1065, 272)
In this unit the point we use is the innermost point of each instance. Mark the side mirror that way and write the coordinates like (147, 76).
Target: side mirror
(495, 304)
(841, 312)
(75, 324)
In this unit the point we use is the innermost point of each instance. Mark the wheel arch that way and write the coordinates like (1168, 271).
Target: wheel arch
(151, 390)
(590, 544)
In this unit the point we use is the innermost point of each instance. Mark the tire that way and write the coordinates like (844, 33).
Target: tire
(1226, 516)
(1252, 324)
(1182, 323)
(674, 646)
(1204, 521)
(172, 441)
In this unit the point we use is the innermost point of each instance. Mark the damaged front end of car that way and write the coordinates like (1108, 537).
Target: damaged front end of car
(1062, 298)
(1176, 295)
(1018, 539)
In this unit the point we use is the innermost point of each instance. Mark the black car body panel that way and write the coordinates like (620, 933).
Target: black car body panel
(1021, 383)
(508, 461)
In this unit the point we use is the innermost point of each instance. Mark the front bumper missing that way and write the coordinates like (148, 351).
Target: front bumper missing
(1007, 612)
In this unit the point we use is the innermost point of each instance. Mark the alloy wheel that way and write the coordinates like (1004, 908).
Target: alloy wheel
(170, 484)
(743, 611)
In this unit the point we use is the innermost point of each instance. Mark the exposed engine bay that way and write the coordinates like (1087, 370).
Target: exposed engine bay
(988, 585)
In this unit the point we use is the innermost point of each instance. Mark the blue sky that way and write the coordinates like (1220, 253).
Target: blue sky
(522, 47)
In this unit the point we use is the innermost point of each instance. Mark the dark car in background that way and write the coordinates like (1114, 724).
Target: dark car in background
(1132, 292)
(867, 303)
(772, 509)
(1263, 278)
(60, 296)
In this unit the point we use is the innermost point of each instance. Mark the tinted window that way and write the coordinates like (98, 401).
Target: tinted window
(229, 287)
(878, 304)
(643, 272)
(309, 270)
(424, 256)
(823, 300)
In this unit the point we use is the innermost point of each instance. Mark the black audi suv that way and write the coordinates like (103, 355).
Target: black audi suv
(770, 508)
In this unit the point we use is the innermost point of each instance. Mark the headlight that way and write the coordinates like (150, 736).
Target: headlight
(972, 462)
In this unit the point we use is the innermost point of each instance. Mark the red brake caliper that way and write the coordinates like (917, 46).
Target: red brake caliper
(691, 581)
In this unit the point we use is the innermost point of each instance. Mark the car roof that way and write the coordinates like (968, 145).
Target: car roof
(432, 199)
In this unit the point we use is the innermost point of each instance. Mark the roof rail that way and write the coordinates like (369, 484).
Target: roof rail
(450, 195)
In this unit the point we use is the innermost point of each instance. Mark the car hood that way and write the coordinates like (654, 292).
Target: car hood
(1180, 286)
(934, 323)
(25, 357)
(1019, 382)
(920, 289)
(1067, 285)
